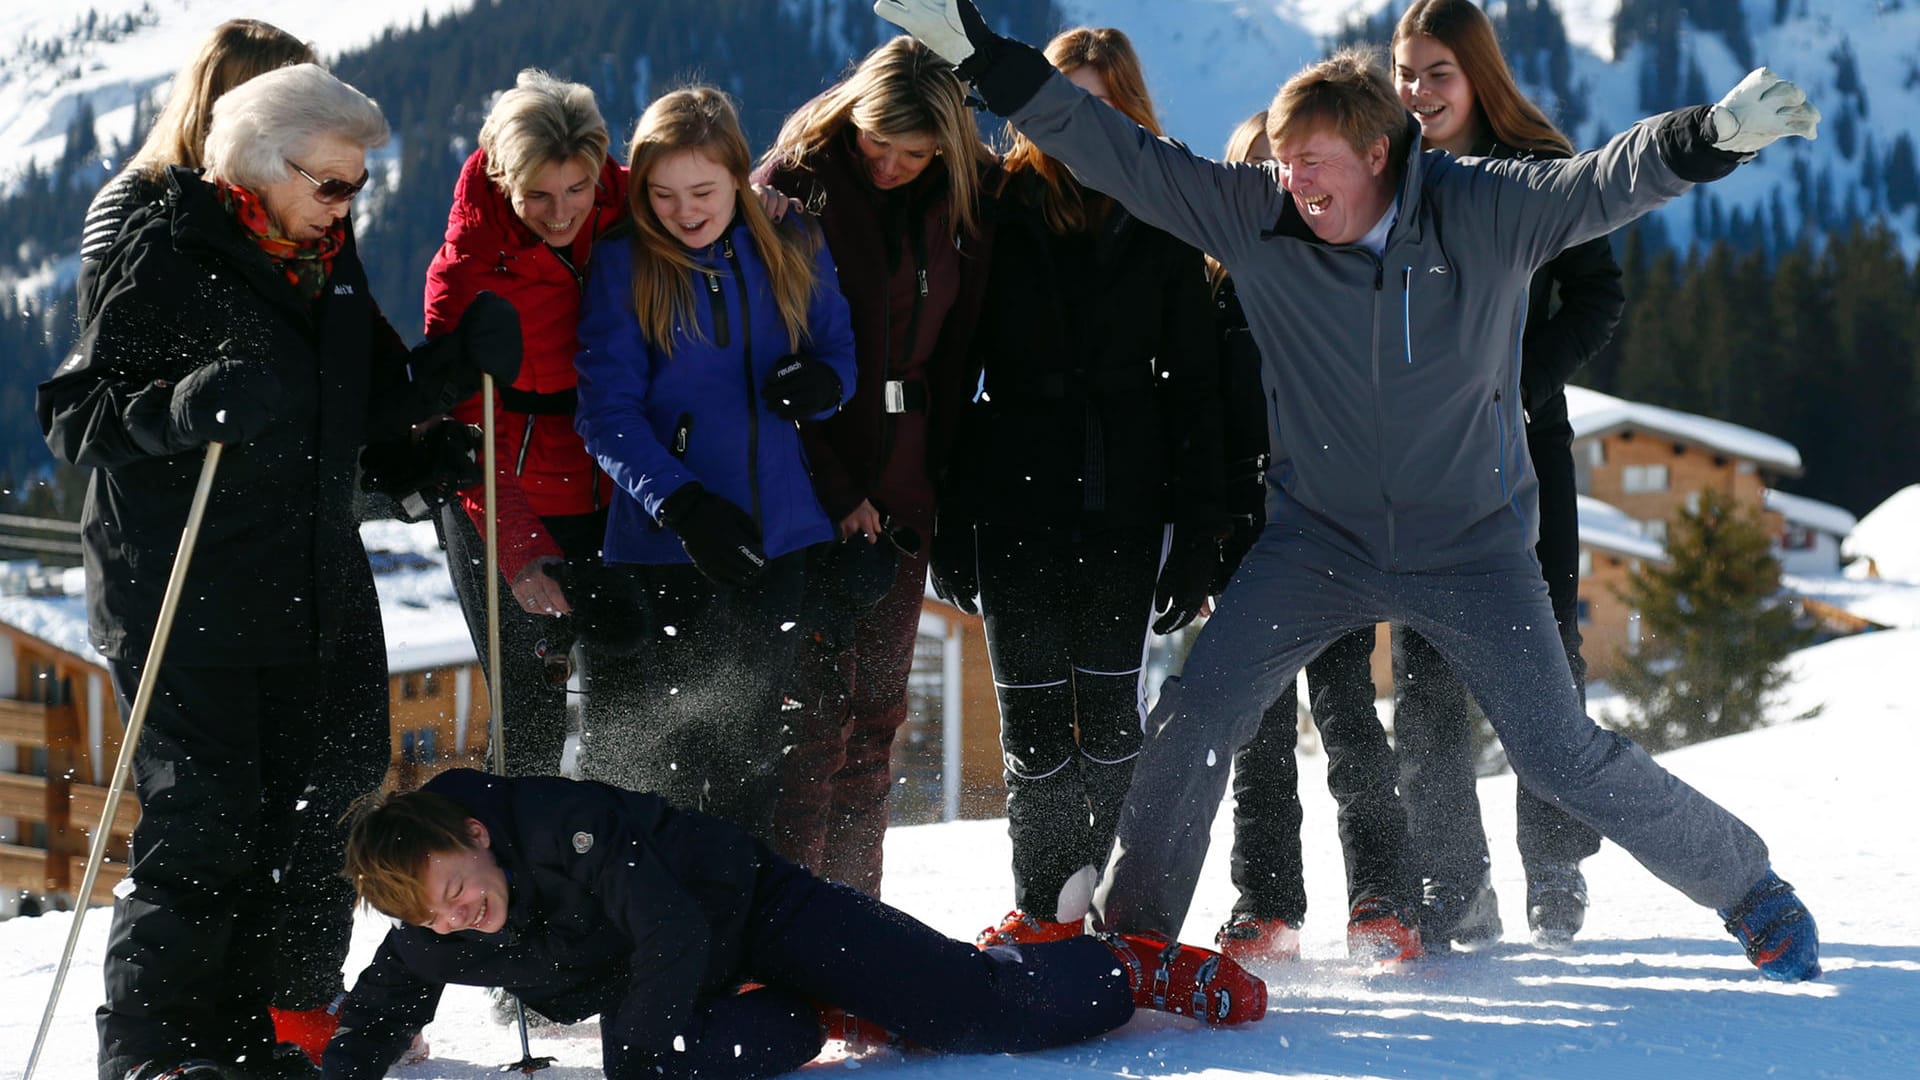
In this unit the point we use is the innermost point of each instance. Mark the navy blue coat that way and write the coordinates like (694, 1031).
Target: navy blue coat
(617, 904)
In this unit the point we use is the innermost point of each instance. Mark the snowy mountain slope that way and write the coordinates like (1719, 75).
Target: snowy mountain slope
(1655, 988)
(57, 54)
(1209, 62)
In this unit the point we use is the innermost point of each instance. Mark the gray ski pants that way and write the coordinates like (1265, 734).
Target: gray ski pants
(1293, 596)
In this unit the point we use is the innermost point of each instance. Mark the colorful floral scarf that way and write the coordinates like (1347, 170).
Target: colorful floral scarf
(306, 265)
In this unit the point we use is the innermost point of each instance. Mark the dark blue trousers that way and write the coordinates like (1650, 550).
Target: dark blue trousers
(813, 942)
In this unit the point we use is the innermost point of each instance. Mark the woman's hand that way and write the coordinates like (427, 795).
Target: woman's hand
(537, 591)
(774, 202)
(864, 521)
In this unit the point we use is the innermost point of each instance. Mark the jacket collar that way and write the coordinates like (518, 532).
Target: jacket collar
(199, 221)
(483, 221)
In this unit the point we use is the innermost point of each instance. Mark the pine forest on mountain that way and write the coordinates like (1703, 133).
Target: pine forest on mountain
(1801, 319)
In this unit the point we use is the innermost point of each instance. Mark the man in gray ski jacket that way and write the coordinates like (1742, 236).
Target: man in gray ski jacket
(1387, 289)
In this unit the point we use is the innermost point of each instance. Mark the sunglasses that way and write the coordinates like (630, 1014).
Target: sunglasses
(333, 191)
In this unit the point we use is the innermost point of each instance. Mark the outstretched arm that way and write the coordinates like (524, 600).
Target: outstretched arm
(1216, 207)
(1551, 206)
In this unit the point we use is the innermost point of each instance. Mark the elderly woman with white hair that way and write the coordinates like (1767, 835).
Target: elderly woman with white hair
(235, 310)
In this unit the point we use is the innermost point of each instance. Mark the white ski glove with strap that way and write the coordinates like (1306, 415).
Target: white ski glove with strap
(1764, 107)
(939, 24)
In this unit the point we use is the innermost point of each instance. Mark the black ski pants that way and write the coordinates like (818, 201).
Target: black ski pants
(813, 942)
(534, 712)
(1360, 776)
(695, 716)
(233, 899)
(1066, 617)
(1433, 729)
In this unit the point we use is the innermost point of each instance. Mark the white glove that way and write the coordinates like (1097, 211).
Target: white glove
(1762, 108)
(935, 22)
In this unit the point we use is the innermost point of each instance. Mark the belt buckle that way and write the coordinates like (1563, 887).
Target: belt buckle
(896, 396)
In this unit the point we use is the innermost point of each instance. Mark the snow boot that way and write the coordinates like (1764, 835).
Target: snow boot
(1187, 980)
(1376, 931)
(1776, 930)
(1556, 903)
(1452, 914)
(308, 1029)
(1020, 928)
(1248, 939)
(859, 1034)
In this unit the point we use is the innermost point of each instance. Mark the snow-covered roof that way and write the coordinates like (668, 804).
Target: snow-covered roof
(1824, 517)
(1594, 413)
(1894, 604)
(418, 610)
(1606, 526)
(1890, 536)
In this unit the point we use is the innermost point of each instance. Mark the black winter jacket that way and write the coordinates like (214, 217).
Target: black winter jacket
(1101, 400)
(278, 570)
(617, 904)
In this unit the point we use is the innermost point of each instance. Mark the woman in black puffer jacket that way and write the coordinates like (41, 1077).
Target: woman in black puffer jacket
(1097, 426)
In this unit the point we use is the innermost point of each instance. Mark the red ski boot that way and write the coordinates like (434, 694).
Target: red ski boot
(308, 1029)
(1188, 980)
(1377, 932)
(1249, 939)
(1020, 928)
(837, 1024)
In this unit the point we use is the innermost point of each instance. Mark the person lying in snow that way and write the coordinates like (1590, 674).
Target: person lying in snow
(704, 953)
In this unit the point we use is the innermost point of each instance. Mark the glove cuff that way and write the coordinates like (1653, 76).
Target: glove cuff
(1007, 74)
(1686, 141)
(675, 507)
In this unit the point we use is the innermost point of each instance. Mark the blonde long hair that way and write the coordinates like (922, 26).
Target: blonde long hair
(701, 118)
(236, 51)
(1109, 52)
(1239, 149)
(900, 88)
(1465, 29)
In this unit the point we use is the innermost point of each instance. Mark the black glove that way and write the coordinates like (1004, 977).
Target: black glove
(423, 470)
(226, 401)
(720, 538)
(800, 387)
(953, 564)
(1234, 549)
(490, 337)
(1186, 577)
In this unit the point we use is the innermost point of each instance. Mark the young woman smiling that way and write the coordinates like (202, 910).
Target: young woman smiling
(706, 332)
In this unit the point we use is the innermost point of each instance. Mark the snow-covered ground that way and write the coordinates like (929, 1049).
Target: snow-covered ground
(1655, 987)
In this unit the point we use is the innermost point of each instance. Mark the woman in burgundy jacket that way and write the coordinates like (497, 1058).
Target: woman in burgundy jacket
(890, 160)
(528, 206)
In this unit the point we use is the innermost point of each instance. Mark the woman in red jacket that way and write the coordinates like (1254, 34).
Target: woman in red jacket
(890, 160)
(526, 211)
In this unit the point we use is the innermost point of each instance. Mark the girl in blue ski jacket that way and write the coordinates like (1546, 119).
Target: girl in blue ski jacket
(706, 332)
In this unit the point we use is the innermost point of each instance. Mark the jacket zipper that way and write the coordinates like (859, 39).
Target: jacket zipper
(1379, 420)
(753, 392)
(526, 441)
(1406, 308)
